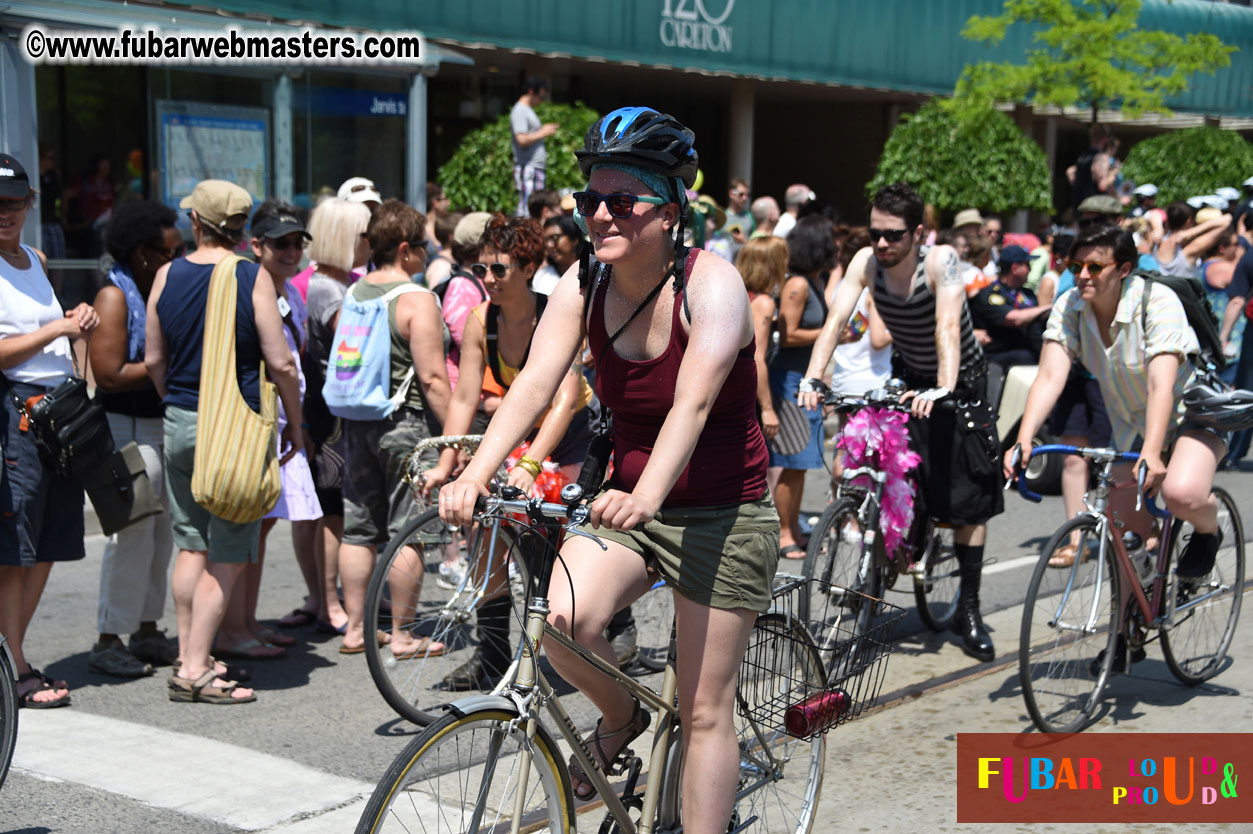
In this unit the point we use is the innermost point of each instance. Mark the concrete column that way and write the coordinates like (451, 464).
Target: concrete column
(740, 130)
(19, 130)
(415, 147)
(283, 150)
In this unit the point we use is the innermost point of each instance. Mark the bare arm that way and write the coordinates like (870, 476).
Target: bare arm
(155, 359)
(14, 350)
(558, 418)
(419, 321)
(880, 337)
(471, 370)
(762, 309)
(944, 275)
(1046, 290)
(1021, 318)
(528, 139)
(108, 349)
(1201, 238)
(280, 365)
(1158, 413)
(791, 308)
(1235, 309)
(856, 278)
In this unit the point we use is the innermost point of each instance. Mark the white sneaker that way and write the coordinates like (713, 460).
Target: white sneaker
(451, 575)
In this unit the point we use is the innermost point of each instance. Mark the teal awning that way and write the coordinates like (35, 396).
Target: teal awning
(901, 45)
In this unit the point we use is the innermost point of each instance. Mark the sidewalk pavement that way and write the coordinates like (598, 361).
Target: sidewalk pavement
(894, 770)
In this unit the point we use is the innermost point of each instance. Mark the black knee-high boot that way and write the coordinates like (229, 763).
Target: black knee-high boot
(490, 660)
(967, 623)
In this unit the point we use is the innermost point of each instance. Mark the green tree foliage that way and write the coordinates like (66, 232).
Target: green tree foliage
(1185, 163)
(1089, 54)
(479, 176)
(983, 161)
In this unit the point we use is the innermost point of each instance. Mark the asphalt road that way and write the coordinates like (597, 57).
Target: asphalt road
(125, 759)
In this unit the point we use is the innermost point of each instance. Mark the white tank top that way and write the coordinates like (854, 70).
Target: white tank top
(27, 303)
(859, 367)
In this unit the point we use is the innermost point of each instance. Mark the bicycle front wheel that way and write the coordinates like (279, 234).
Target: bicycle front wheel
(937, 587)
(466, 772)
(834, 557)
(1204, 622)
(780, 775)
(1066, 645)
(429, 608)
(8, 712)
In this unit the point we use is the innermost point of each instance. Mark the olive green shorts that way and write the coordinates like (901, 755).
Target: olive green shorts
(723, 557)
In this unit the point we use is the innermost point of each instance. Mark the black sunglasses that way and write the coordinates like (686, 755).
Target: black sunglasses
(890, 235)
(480, 270)
(619, 205)
(282, 244)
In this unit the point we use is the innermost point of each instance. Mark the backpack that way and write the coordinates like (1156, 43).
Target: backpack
(458, 272)
(359, 369)
(1201, 318)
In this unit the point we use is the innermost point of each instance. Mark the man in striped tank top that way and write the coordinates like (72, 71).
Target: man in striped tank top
(921, 297)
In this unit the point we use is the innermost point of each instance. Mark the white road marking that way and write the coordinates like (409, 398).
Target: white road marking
(185, 773)
(1011, 564)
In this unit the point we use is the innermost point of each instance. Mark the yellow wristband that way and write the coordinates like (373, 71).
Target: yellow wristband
(530, 465)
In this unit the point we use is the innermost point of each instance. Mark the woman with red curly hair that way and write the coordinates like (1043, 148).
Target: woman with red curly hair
(496, 343)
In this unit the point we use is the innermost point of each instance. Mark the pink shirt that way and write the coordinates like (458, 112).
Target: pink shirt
(462, 297)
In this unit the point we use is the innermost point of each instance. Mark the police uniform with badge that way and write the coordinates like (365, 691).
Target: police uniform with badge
(1012, 344)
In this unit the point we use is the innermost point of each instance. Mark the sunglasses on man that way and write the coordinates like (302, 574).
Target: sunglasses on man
(890, 235)
(619, 205)
(1093, 268)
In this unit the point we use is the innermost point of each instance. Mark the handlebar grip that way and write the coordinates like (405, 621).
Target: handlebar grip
(1026, 493)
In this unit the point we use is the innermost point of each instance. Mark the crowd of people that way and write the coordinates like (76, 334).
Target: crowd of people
(709, 333)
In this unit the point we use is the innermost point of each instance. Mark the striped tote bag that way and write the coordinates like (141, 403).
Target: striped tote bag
(235, 473)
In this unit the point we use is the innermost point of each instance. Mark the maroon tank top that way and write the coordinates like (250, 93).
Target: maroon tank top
(728, 465)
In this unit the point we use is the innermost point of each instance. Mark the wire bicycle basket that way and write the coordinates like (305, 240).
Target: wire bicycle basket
(807, 675)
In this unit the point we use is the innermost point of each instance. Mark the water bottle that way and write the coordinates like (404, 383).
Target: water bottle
(1139, 555)
(816, 713)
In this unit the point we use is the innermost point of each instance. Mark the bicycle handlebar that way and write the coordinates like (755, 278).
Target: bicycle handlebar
(1100, 455)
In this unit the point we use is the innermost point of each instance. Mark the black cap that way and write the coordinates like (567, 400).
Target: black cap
(14, 184)
(275, 226)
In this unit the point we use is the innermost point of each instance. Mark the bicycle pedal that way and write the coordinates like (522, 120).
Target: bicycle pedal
(745, 824)
(633, 765)
(625, 760)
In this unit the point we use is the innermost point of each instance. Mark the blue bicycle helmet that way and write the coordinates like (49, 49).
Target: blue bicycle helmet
(641, 136)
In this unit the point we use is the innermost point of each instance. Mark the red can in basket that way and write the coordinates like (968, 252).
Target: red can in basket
(816, 713)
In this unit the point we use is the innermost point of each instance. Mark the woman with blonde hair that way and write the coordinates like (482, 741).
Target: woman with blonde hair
(762, 263)
(339, 242)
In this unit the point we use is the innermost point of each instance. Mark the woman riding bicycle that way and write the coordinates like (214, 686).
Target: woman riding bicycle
(498, 338)
(673, 340)
(1142, 362)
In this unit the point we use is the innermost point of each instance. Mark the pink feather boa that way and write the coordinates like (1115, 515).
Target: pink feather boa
(877, 437)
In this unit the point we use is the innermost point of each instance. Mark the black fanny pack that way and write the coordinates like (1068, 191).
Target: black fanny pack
(70, 429)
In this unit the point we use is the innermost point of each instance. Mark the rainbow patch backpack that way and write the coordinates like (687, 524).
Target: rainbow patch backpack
(358, 371)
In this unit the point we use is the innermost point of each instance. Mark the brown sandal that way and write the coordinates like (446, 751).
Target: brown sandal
(1064, 556)
(201, 690)
(634, 729)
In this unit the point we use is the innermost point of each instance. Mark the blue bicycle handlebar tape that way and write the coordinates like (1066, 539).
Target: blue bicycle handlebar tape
(1065, 449)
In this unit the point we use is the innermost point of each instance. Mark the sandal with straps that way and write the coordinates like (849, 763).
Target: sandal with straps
(634, 728)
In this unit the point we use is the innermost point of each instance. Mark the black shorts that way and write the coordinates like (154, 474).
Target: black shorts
(960, 472)
(1080, 411)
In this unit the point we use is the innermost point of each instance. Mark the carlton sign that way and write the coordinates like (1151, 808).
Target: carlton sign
(688, 24)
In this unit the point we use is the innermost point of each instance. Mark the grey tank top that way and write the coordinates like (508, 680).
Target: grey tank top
(1180, 265)
(911, 322)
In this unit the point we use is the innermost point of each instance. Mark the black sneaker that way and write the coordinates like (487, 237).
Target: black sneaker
(1120, 658)
(475, 673)
(113, 659)
(1198, 555)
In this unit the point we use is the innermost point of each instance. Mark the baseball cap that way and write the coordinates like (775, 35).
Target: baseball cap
(275, 226)
(1102, 204)
(966, 217)
(1228, 193)
(470, 228)
(1196, 202)
(1146, 190)
(1014, 255)
(1214, 201)
(14, 183)
(1248, 183)
(359, 190)
(221, 204)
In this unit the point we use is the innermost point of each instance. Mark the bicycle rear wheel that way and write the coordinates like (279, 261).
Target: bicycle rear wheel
(1196, 641)
(8, 711)
(426, 605)
(936, 589)
(780, 775)
(654, 616)
(1068, 620)
(463, 772)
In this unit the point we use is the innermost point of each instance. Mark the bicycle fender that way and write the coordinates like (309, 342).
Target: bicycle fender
(463, 707)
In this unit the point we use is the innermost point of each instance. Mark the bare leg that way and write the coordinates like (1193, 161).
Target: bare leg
(188, 567)
(356, 563)
(1074, 480)
(303, 536)
(711, 644)
(208, 607)
(20, 589)
(331, 531)
(1190, 477)
(404, 579)
(787, 499)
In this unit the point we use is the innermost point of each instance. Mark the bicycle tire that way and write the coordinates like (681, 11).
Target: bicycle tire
(833, 557)
(1056, 666)
(1196, 641)
(654, 616)
(8, 711)
(410, 684)
(787, 799)
(432, 786)
(936, 589)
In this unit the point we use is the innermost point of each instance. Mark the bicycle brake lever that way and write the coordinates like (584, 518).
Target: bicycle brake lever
(575, 526)
(1142, 472)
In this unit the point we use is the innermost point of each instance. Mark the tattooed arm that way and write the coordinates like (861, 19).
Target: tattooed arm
(945, 281)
